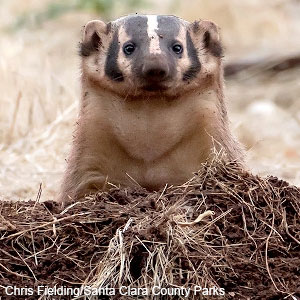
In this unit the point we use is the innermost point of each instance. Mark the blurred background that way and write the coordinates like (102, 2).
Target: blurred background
(39, 82)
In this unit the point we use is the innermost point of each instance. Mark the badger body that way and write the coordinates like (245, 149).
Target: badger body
(152, 106)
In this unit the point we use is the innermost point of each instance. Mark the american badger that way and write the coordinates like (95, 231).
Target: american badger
(152, 104)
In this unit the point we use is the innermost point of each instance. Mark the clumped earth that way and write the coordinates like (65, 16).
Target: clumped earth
(225, 228)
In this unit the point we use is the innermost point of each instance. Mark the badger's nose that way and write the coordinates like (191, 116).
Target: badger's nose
(155, 71)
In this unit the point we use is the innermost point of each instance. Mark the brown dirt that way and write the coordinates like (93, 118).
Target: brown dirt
(250, 246)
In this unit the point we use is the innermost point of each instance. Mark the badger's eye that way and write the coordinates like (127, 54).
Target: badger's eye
(129, 48)
(177, 48)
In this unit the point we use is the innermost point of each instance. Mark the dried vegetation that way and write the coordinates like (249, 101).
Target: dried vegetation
(224, 227)
(39, 83)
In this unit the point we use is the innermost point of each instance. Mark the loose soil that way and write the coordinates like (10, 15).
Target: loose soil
(248, 243)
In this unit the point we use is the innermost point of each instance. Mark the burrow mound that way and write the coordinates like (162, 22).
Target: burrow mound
(225, 228)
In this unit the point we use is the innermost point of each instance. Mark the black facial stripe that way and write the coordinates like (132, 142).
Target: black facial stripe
(195, 67)
(111, 65)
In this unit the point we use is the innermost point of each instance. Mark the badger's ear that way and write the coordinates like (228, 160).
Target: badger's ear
(93, 33)
(210, 36)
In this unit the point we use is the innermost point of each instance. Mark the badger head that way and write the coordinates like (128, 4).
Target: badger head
(151, 55)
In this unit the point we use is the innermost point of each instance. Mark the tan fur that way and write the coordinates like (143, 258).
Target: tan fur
(149, 140)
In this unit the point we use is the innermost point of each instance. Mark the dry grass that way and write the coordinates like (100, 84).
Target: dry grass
(223, 228)
(39, 72)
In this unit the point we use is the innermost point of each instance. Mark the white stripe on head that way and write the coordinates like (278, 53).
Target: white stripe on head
(152, 26)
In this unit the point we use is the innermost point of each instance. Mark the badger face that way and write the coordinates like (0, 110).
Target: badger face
(150, 55)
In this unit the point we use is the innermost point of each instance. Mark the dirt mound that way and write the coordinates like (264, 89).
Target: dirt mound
(224, 231)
